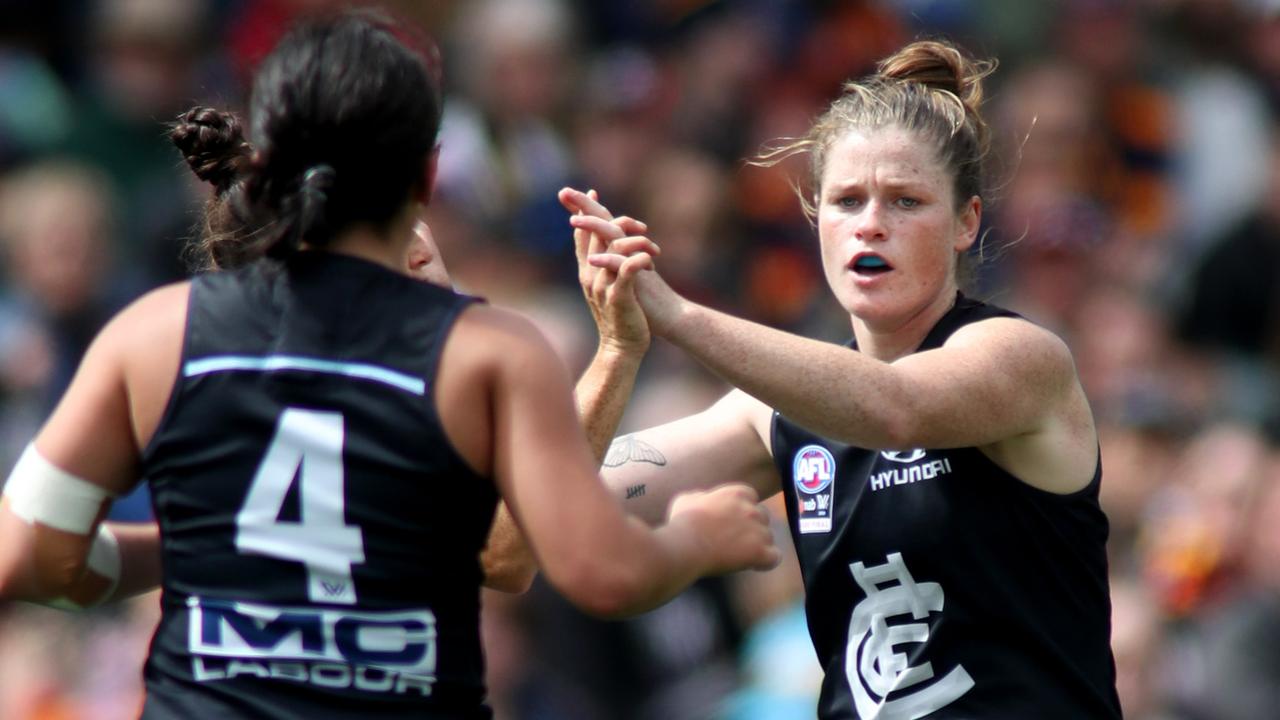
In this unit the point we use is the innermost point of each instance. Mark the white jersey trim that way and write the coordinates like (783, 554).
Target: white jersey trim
(272, 363)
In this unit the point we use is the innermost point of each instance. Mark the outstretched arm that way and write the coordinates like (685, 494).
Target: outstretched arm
(645, 470)
(601, 393)
(590, 550)
(605, 387)
(1002, 384)
(601, 397)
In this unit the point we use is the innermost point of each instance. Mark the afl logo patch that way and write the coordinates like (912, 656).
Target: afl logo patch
(813, 469)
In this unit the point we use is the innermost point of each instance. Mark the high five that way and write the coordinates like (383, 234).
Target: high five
(941, 471)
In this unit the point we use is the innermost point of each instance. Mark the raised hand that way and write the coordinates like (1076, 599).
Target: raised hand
(610, 291)
(609, 254)
(732, 527)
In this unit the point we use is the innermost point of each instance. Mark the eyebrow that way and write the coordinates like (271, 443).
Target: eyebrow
(893, 185)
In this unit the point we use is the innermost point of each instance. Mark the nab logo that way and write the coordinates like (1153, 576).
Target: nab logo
(903, 456)
(813, 469)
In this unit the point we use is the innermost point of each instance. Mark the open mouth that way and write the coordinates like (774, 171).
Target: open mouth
(870, 265)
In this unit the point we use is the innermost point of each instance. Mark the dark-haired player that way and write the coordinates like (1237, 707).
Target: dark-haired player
(326, 438)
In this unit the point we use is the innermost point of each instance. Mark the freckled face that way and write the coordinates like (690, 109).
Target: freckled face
(888, 225)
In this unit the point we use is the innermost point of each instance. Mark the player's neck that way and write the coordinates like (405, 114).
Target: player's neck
(387, 248)
(890, 340)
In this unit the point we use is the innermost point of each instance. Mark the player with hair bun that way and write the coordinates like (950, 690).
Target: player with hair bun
(941, 470)
(325, 438)
(213, 144)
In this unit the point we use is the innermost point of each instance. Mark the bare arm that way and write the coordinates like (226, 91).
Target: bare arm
(93, 435)
(601, 394)
(1004, 385)
(41, 564)
(603, 390)
(727, 442)
(645, 470)
(506, 560)
(988, 382)
(600, 559)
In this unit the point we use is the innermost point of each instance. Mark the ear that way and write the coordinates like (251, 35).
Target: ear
(429, 173)
(968, 223)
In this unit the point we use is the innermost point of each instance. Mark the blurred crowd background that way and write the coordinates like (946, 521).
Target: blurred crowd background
(1134, 209)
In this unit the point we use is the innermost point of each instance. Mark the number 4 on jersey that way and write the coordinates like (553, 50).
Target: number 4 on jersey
(307, 445)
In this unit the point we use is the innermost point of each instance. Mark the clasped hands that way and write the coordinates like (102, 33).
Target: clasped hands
(613, 253)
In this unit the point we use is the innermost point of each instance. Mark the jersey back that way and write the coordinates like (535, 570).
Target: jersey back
(320, 534)
(939, 586)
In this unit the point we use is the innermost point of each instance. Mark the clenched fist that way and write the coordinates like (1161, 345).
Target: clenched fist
(732, 527)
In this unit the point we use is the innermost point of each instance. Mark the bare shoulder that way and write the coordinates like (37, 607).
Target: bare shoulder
(154, 313)
(483, 318)
(1011, 329)
(1013, 335)
(490, 335)
(490, 358)
(489, 344)
(147, 339)
(114, 402)
(143, 330)
(1060, 456)
(1020, 346)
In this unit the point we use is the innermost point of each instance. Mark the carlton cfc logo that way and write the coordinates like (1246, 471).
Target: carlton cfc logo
(813, 469)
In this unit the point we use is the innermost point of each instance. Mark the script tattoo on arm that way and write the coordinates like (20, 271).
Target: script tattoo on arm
(629, 449)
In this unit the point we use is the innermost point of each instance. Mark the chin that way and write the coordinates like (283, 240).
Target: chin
(872, 314)
(862, 307)
(878, 307)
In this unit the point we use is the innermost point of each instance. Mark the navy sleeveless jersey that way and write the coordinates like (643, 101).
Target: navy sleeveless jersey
(320, 534)
(939, 586)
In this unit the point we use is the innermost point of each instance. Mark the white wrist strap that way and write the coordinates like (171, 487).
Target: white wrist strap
(104, 560)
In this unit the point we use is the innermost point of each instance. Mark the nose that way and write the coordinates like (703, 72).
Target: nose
(420, 254)
(870, 225)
